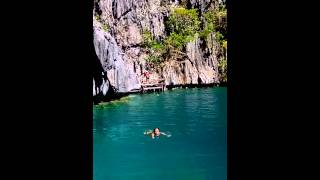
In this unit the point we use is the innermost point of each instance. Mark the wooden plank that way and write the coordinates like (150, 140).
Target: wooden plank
(152, 84)
(132, 91)
(151, 88)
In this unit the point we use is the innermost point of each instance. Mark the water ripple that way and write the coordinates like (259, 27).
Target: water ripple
(194, 117)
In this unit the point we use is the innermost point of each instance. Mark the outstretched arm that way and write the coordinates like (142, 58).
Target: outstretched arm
(147, 132)
(163, 133)
(168, 135)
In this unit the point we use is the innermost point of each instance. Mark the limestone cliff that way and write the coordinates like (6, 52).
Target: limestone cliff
(118, 41)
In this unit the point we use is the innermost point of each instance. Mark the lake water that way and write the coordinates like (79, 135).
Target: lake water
(195, 118)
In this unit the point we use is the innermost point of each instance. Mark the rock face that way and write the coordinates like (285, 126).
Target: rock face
(118, 28)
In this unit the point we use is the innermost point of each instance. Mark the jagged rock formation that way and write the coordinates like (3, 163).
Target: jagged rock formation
(118, 28)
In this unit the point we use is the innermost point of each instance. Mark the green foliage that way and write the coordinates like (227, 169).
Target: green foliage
(222, 11)
(155, 48)
(209, 16)
(206, 31)
(151, 44)
(175, 40)
(184, 26)
(209, 25)
(153, 58)
(224, 44)
(97, 17)
(223, 65)
(219, 37)
(184, 22)
(147, 38)
(215, 21)
(223, 69)
(105, 27)
(221, 20)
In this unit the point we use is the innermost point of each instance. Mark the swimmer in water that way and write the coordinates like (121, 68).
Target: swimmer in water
(155, 133)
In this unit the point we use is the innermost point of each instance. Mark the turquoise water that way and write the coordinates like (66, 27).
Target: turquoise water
(197, 120)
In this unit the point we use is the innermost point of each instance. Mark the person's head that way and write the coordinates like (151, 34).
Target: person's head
(156, 131)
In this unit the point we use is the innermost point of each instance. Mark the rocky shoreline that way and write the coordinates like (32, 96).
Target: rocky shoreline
(116, 96)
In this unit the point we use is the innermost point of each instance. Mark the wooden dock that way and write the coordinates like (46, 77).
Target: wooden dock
(151, 85)
(157, 87)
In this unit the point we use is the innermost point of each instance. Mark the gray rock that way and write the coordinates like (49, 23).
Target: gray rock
(122, 56)
(118, 70)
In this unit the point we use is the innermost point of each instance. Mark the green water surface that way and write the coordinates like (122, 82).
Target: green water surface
(197, 120)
